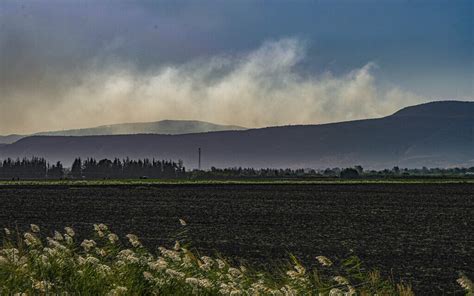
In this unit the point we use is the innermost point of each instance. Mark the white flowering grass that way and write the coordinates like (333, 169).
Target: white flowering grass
(106, 264)
(466, 284)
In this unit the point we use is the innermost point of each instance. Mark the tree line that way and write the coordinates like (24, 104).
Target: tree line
(90, 168)
(343, 173)
(34, 168)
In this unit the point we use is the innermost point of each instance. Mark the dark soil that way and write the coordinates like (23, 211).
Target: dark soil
(419, 233)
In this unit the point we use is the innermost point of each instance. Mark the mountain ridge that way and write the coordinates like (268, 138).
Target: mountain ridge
(155, 127)
(446, 108)
(394, 140)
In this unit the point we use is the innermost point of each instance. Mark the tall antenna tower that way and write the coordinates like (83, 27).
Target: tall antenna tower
(199, 162)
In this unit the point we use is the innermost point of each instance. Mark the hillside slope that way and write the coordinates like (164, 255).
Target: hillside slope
(10, 139)
(432, 135)
(166, 127)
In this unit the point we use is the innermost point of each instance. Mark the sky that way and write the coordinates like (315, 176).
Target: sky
(73, 64)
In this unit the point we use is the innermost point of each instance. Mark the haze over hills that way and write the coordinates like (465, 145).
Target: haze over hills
(167, 127)
(437, 134)
(10, 139)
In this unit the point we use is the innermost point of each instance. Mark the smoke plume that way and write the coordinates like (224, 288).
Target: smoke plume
(260, 88)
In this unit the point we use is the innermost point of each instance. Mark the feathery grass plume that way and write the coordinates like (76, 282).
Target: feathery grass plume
(88, 244)
(34, 228)
(30, 239)
(133, 239)
(324, 261)
(58, 236)
(113, 238)
(341, 280)
(101, 266)
(466, 284)
(69, 231)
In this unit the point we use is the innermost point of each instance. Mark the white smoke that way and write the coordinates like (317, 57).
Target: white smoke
(261, 88)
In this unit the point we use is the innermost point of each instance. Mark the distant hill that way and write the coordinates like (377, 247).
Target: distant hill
(441, 109)
(166, 127)
(10, 139)
(438, 134)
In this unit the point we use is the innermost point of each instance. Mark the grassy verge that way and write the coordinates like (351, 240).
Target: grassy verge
(32, 264)
(112, 182)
